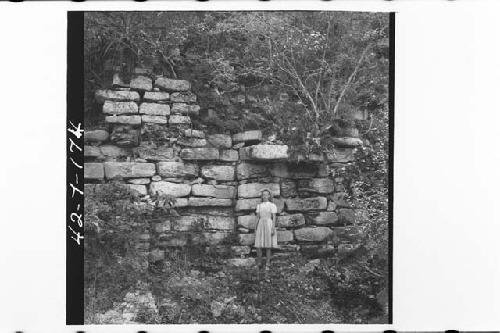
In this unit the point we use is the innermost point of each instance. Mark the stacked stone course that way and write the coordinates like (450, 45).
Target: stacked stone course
(216, 178)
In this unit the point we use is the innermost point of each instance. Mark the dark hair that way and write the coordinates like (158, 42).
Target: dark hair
(268, 191)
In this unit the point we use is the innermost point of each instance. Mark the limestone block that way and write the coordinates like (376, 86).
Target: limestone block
(251, 204)
(91, 151)
(300, 204)
(141, 83)
(116, 96)
(187, 109)
(139, 189)
(120, 108)
(290, 221)
(95, 136)
(125, 135)
(139, 181)
(154, 109)
(156, 96)
(284, 236)
(288, 188)
(220, 140)
(326, 218)
(192, 142)
(250, 170)
(188, 223)
(255, 135)
(200, 202)
(177, 169)
(192, 133)
(218, 172)
(253, 190)
(172, 85)
(247, 221)
(246, 239)
(228, 155)
(173, 240)
(154, 119)
(317, 185)
(220, 223)
(199, 154)
(93, 171)
(154, 153)
(172, 189)
(183, 97)
(269, 152)
(128, 170)
(176, 119)
(113, 151)
(317, 234)
(128, 120)
(215, 191)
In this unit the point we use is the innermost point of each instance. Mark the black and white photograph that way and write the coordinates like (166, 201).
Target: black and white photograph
(237, 167)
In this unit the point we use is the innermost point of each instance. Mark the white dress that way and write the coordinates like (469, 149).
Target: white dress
(263, 237)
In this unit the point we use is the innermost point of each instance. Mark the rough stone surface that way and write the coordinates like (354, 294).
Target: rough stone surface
(176, 119)
(304, 204)
(93, 171)
(215, 191)
(313, 234)
(141, 83)
(208, 238)
(187, 109)
(120, 108)
(347, 142)
(192, 133)
(173, 240)
(199, 154)
(351, 234)
(172, 85)
(228, 155)
(154, 109)
(154, 153)
(218, 172)
(192, 142)
(156, 96)
(246, 239)
(288, 188)
(290, 221)
(251, 204)
(219, 140)
(247, 221)
(177, 169)
(219, 223)
(251, 170)
(241, 262)
(188, 223)
(130, 120)
(240, 250)
(326, 218)
(140, 189)
(116, 96)
(91, 151)
(183, 97)
(255, 135)
(339, 199)
(346, 216)
(284, 236)
(162, 226)
(113, 151)
(172, 189)
(128, 169)
(292, 170)
(269, 152)
(341, 155)
(139, 181)
(253, 190)
(125, 135)
(154, 119)
(317, 185)
(200, 202)
(95, 136)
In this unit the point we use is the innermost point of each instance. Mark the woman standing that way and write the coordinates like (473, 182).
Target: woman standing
(265, 234)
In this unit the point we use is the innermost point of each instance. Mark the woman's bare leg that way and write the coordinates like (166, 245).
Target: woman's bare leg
(259, 256)
(268, 256)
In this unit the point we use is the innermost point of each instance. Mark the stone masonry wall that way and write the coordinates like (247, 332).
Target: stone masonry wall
(148, 143)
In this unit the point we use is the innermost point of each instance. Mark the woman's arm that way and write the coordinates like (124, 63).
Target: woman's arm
(274, 224)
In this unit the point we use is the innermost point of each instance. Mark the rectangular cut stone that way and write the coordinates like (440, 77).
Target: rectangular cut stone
(188, 223)
(139, 181)
(255, 135)
(192, 133)
(141, 83)
(178, 119)
(177, 169)
(93, 171)
(228, 155)
(140, 189)
(192, 142)
(91, 151)
(128, 170)
(200, 202)
(120, 108)
(218, 172)
(155, 153)
(154, 119)
(154, 109)
(317, 234)
(113, 151)
(187, 109)
(299, 204)
(215, 191)
(116, 96)
(181, 202)
(172, 85)
(251, 204)
(220, 223)
(326, 218)
(269, 152)
(341, 155)
(199, 154)
(249, 170)
(317, 185)
(156, 96)
(288, 188)
(246, 239)
(284, 236)
(95, 136)
(290, 221)
(130, 120)
(247, 221)
(168, 188)
(254, 190)
(220, 140)
(183, 97)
